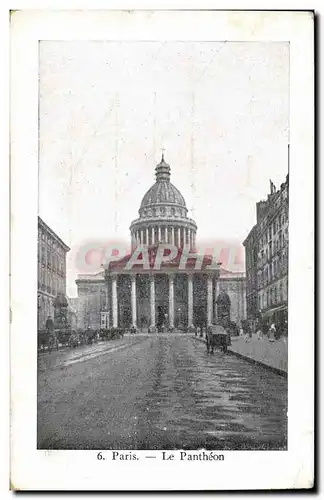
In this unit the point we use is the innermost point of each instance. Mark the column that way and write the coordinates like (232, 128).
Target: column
(190, 239)
(152, 236)
(152, 302)
(142, 236)
(114, 300)
(147, 236)
(165, 235)
(171, 301)
(172, 235)
(209, 300)
(107, 303)
(159, 234)
(179, 237)
(216, 293)
(133, 299)
(190, 301)
(99, 308)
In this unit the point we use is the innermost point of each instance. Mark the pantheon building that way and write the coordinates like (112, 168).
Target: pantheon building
(184, 292)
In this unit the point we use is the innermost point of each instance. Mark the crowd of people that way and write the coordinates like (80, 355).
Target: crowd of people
(263, 330)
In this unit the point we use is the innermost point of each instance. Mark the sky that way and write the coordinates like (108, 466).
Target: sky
(220, 110)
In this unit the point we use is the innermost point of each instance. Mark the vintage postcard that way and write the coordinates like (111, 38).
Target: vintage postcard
(162, 239)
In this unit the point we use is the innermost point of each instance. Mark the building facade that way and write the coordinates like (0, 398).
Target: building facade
(73, 312)
(251, 269)
(267, 258)
(51, 278)
(178, 295)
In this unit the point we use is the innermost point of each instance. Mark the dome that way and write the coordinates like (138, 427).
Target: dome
(163, 215)
(163, 192)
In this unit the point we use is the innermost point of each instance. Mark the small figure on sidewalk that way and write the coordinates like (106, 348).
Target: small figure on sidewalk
(259, 334)
(247, 337)
(241, 332)
(272, 332)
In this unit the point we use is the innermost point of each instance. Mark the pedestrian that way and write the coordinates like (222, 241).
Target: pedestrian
(247, 336)
(272, 332)
(259, 333)
(241, 332)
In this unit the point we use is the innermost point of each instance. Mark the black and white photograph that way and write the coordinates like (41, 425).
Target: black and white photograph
(163, 306)
(177, 336)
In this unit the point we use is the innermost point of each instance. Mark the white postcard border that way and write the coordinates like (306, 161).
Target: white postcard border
(41, 470)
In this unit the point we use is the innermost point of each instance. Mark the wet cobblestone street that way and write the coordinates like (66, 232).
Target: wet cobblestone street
(158, 392)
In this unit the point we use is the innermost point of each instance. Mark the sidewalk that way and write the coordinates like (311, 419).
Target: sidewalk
(272, 354)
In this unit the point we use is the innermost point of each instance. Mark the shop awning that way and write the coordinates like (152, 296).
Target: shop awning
(270, 312)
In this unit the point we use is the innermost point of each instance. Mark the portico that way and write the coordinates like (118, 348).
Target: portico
(162, 299)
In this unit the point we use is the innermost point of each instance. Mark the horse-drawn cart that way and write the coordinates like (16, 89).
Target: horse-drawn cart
(217, 338)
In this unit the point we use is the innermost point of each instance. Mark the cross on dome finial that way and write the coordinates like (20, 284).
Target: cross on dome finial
(162, 149)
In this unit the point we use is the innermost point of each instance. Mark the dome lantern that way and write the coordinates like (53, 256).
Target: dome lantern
(162, 171)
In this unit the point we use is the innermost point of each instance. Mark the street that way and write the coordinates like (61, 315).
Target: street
(158, 392)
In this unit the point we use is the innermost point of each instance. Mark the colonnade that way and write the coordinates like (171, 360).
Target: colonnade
(182, 237)
(114, 296)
